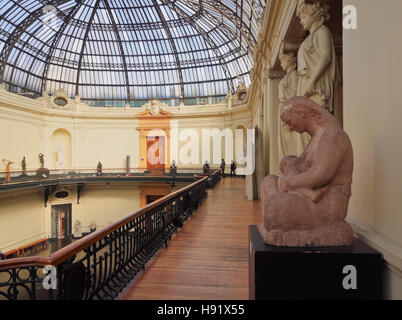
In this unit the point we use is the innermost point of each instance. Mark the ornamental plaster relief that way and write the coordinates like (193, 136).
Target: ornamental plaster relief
(59, 101)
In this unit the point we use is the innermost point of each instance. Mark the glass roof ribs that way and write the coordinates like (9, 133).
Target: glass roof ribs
(128, 51)
(205, 36)
(56, 40)
(17, 33)
(120, 47)
(173, 45)
(88, 29)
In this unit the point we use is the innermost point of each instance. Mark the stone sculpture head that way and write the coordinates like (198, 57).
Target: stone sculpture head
(298, 112)
(288, 61)
(311, 12)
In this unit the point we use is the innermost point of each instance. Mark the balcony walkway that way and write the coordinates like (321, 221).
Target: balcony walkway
(208, 259)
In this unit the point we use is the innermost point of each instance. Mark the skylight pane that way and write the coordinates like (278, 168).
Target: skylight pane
(205, 51)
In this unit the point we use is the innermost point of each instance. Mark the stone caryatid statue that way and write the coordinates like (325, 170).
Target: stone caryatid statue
(290, 143)
(316, 57)
(307, 204)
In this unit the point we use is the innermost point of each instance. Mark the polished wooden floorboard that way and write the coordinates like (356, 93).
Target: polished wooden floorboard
(208, 259)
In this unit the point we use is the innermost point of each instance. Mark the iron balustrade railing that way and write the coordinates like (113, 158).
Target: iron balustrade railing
(48, 174)
(101, 264)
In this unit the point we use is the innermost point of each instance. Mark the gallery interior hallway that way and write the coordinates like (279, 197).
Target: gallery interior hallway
(208, 259)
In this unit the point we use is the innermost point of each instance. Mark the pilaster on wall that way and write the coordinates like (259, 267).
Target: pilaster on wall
(261, 96)
(273, 85)
(265, 120)
(47, 148)
(263, 53)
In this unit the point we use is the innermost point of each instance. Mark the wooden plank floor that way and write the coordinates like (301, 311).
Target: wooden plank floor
(208, 259)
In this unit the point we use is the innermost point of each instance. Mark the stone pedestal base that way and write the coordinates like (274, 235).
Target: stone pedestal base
(335, 235)
(282, 273)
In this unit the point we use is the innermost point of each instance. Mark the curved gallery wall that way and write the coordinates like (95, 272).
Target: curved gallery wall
(25, 219)
(87, 135)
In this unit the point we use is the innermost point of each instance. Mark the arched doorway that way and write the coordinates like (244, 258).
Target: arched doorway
(154, 128)
(156, 153)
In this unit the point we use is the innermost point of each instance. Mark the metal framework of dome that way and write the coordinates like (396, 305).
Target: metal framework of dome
(128, 51)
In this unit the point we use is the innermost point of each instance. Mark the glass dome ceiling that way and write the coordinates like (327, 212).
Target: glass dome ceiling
(128, 51)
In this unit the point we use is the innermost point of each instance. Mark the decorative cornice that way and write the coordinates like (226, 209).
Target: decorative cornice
(59, 101)
(39, 106)
(153, 109)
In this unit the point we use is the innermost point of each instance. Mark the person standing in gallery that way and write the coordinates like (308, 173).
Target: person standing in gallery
(233, 168)
(223, 165)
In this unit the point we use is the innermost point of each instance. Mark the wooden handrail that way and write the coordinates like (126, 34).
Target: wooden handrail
(103, 169)
(69, 251)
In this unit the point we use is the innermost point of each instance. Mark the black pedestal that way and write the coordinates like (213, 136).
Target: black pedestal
(318, 273)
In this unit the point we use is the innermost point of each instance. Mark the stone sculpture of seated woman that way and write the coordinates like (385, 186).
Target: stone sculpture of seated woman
(307, 204)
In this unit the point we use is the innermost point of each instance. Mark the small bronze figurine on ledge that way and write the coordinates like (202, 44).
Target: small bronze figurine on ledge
(42, 172)
(24, 167)
(41, 161)
(99, 169)
(7, 163)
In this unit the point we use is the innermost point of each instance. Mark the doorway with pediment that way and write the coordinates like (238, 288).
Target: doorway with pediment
(154, 128)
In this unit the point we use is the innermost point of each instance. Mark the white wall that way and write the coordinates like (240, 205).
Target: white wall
(24, 218)
(373, 117)
(20, 137)
(21, 219)
(29, 127)
(373, 113)
(105, 204)
(110, 145)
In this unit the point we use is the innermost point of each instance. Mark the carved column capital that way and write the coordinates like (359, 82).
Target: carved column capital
(276, 74)
(266, 72)
(291, 46)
